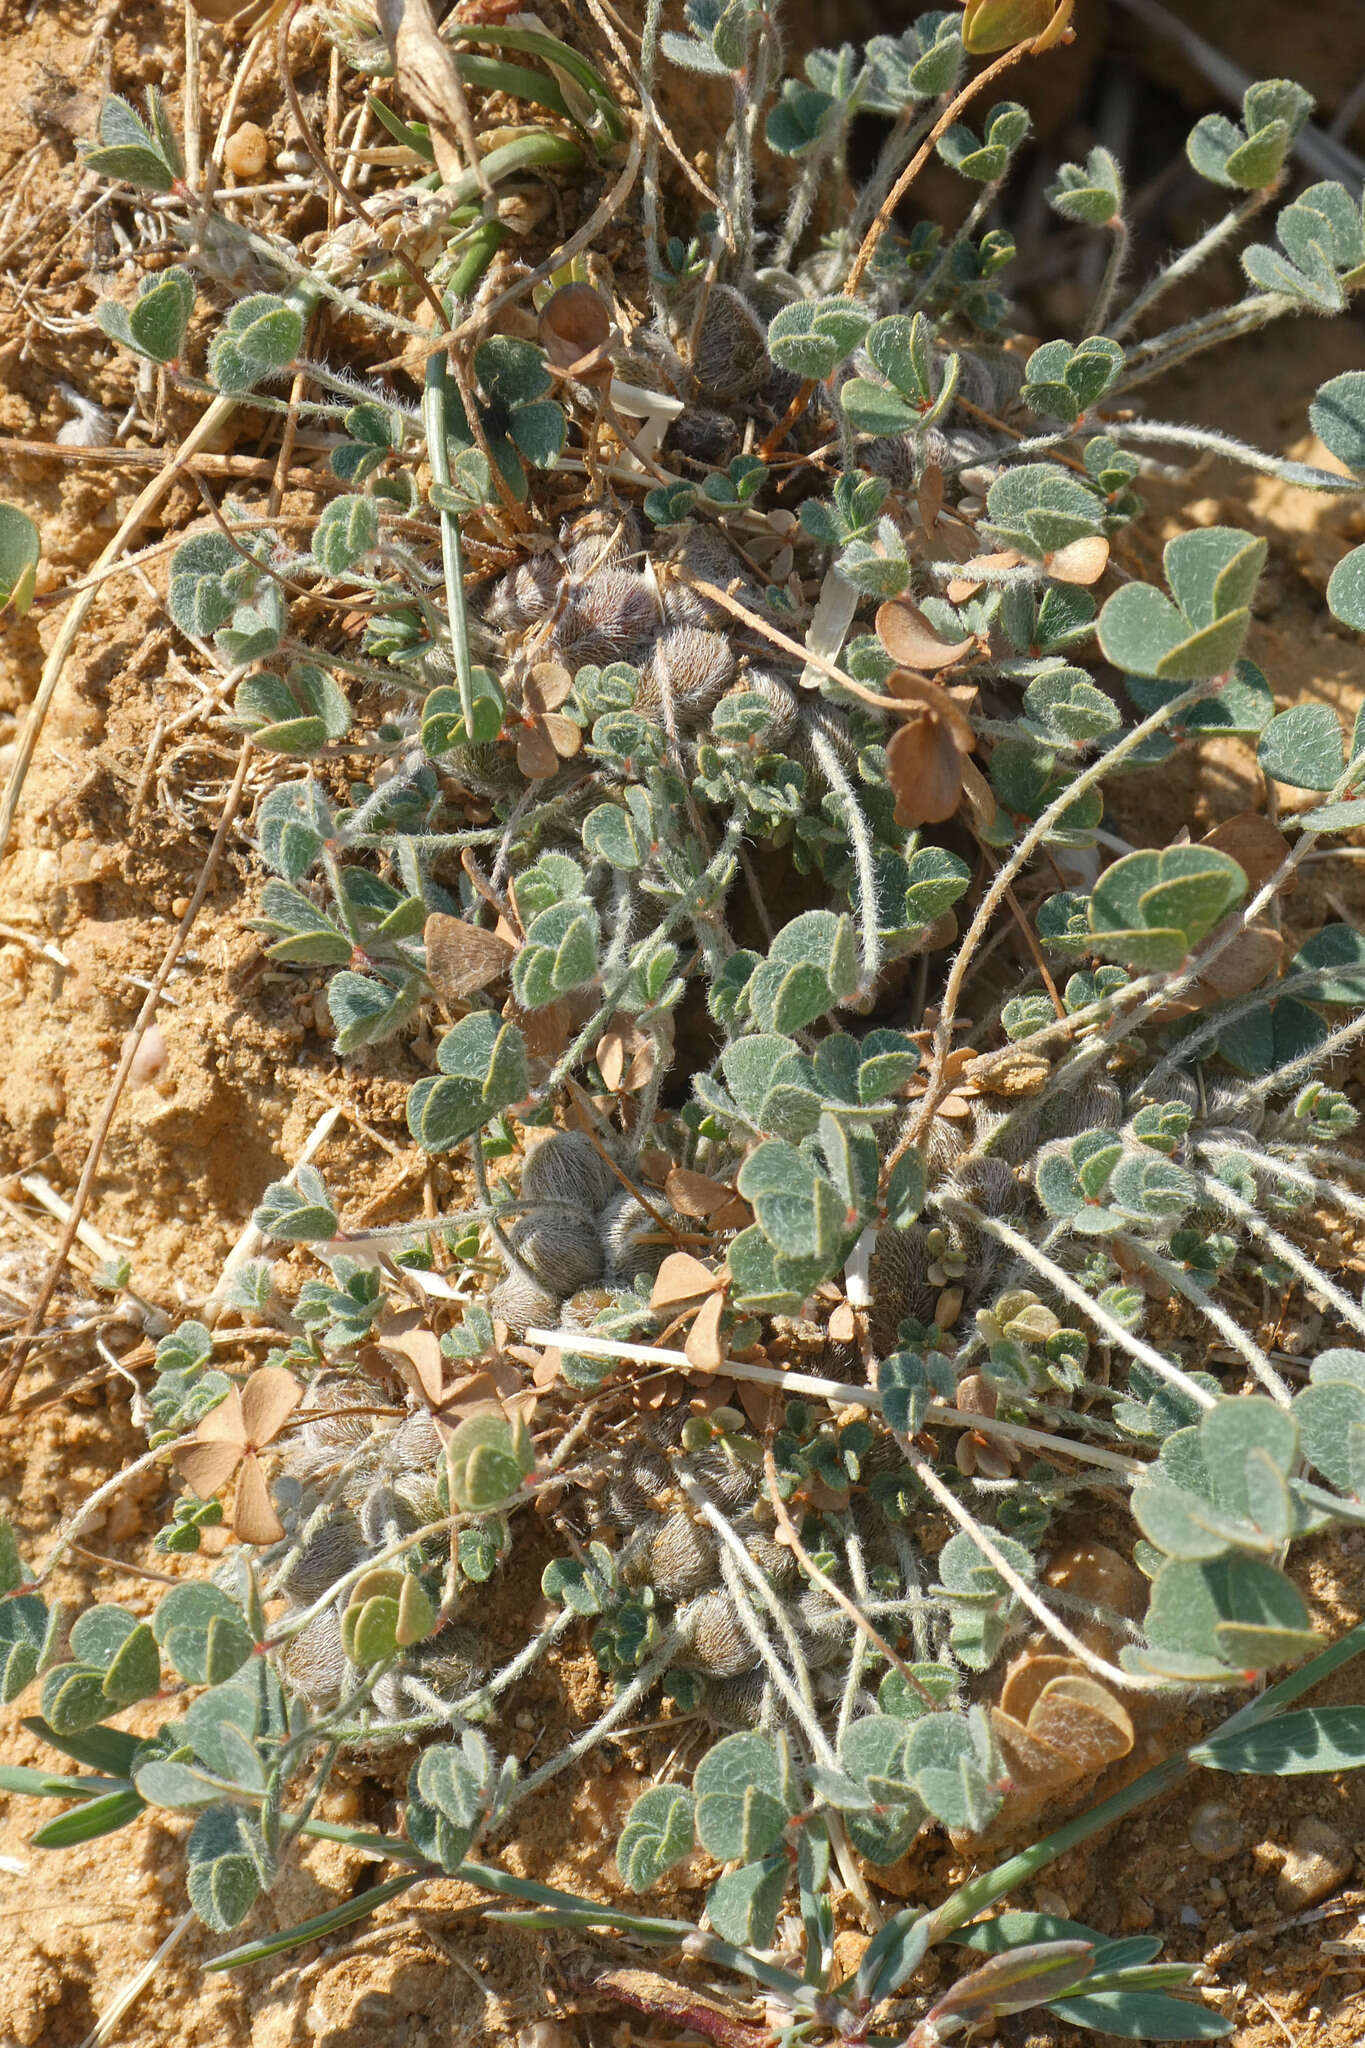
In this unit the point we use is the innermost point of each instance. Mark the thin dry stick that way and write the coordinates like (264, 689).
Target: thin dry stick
(348, 199)
(129, 1993)
(837, 1391)
(778, 638)
(81, 1198)
(886, 211)
(152, 458)
(653, 117)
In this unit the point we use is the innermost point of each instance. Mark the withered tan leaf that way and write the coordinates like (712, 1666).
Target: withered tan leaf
(1080, 561)
(462, 957)
(703, 1346)
(682, 1281)
(924, 765)
(1258, 847)
(696, 1194)
(912, 642)
(254, 1519)
(207, 1467)
(269, 1398)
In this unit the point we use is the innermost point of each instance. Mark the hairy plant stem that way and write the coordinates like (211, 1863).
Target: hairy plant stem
(995, 894)
(1189, 260)
(1109, 283)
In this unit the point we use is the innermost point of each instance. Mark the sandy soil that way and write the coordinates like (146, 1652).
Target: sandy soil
(116, 821)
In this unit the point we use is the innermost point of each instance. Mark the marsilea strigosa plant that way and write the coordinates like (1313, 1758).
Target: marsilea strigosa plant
(685, 732)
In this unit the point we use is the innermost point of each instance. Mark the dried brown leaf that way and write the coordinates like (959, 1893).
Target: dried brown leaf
(1084, 1720)
(547, 687)
(1099, 1576)
(462, 957)
(924, 765)
(682, 1282)
(545, 1030)
(935, 702)
(929, 496)
(269, 1398)
(1080, 561)
(1251, 958)
(576, 331)
(843, 1325)
(225, 1423)
(1256, 845)
(912, 642)
(418, 1352)
(207, 1467)
(253, 1512)
(1028, 1674)
(428, 77)
(536, 756)
(696, 1194)
(703, 1346)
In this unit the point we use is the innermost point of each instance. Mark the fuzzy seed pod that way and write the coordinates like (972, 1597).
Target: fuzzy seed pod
(330, 1552)
(990, 378)
(700, 435)
(622, 1227)
(629, 1500)
(567, 1167)
(525, 594)
(717, 1641)
(416, 1497)
(705, 553)
(453, 1658)
(731, 1485)
(823, 1628)
(1097, 1104)
(738, 1702)
(611, 617)
(692, 666)
(899, 1283)
(604, 537)
(560, 1247)
(893, 456)
(581, 1310)
(415, 1444)
(523, 1304)
(783, 700)
(681, 1558)
(776, 1560)
(731, 353)
(314, 1663)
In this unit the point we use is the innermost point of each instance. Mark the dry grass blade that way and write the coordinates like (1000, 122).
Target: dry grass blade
(429, 77)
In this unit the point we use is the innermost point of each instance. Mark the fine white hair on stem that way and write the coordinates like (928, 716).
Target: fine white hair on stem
(1113, 1674)
(1136, 1347)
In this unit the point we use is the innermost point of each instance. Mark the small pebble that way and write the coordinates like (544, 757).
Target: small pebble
(1214, 1830)
(149, 1058)
(545, 2034)
(1046, 1900)
(247, 151)
(1317, 1861)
